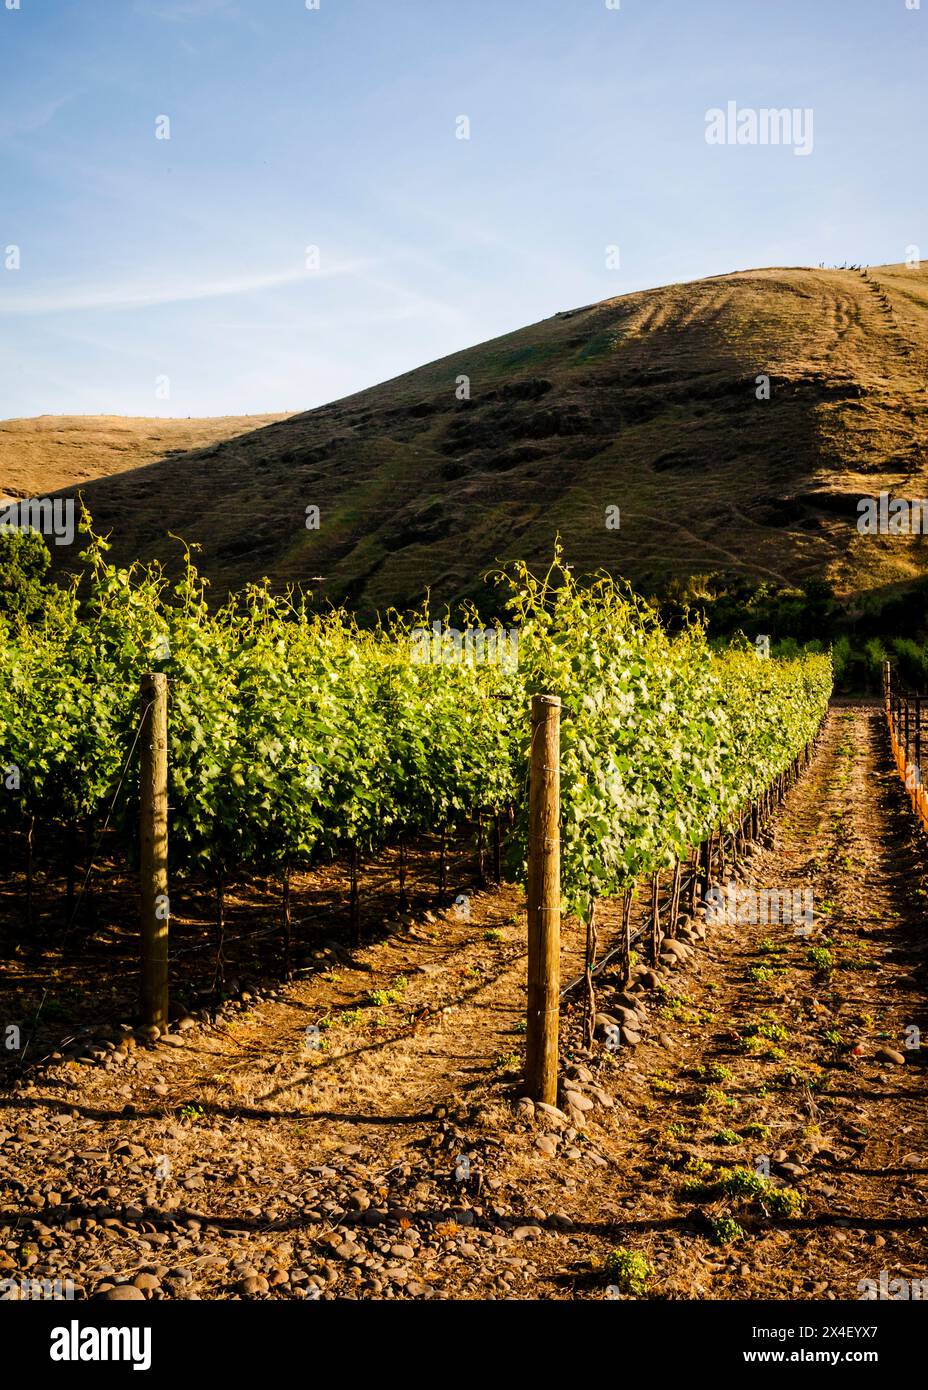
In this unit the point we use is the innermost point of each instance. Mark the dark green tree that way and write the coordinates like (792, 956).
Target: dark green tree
(24, 562)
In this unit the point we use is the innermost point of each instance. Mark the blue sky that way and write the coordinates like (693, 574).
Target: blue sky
(143, 259)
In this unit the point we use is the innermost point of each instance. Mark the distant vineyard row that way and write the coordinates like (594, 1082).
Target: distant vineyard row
(294, 735)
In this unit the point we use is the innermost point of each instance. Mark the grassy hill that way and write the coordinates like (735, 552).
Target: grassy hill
(646, 402)
(51, 452)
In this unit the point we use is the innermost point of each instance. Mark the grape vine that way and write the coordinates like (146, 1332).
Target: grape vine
(295, 734)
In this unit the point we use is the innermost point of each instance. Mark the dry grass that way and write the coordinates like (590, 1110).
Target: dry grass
(49, 452)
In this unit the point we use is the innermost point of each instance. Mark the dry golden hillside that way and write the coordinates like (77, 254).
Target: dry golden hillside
(50, 452)
(647, 402)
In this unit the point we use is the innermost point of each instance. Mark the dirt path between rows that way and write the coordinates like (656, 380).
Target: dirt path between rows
(357, 1135)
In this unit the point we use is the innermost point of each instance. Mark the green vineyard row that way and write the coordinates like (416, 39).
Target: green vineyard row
(294, 735)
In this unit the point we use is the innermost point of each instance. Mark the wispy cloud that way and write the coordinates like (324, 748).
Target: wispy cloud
(55, 300)
(26, 121)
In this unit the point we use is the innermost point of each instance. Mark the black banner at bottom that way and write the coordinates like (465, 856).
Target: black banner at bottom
(62, 1339)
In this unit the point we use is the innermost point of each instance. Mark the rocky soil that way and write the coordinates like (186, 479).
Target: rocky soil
(751, 1119)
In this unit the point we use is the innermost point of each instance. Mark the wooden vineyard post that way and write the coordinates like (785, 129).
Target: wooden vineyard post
(354, 900)
(887, 684)
(544, 900)
(627, 934)
(655, 917)
(703, 868)
(694, 880)
(917, 779)
(905, 744)
(675, 898)
(219, 971)
(288, 920)
(30, 833)
(589, 1009)
(153, 833)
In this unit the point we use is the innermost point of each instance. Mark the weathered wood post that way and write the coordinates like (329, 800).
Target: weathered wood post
(703, 878)
(153, 829)
(918, 750)
(905, 726)
(655, 917)
(354, 897)
(404, 901)
(887, 684)
(287, 918)
(544, 900)
(627, 898)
